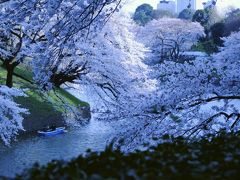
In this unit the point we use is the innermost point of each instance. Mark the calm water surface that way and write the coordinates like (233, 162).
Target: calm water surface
(28, 150)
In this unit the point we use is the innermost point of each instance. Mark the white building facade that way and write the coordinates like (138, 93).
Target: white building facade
(207, 3)
(167, 5)
(183, 4)
(176, 6)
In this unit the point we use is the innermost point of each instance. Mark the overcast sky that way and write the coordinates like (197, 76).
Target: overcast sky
(131, 5)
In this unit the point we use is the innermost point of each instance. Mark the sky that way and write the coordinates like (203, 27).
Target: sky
(131, 5)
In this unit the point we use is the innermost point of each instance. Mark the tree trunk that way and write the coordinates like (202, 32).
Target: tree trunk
(9, 81)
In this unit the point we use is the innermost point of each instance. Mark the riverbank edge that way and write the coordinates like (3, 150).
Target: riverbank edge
(43, 111)
(32, 123)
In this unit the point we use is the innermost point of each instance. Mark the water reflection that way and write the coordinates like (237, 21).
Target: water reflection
(30, 149)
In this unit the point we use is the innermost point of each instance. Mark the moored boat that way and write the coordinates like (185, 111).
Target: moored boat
(52, 132)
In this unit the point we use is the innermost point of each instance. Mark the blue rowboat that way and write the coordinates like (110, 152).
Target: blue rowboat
(50, 132)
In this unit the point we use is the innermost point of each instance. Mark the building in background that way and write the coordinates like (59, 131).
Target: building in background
(208, 3)
(167, 5)
(176, 6)
(184, 4)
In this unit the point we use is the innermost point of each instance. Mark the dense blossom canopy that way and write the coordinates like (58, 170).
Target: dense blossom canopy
(111, 59)
(10, 114)
(194, 98)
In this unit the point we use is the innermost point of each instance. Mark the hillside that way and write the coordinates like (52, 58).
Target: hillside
(45, 107)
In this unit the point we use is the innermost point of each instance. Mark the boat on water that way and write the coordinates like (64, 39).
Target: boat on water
(52, 132)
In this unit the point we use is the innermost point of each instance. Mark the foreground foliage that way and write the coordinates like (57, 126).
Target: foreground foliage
(175, 158)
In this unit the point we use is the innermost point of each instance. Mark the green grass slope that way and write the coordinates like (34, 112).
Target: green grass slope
(41, 105)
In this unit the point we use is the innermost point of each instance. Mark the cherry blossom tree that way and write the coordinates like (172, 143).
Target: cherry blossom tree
(44, 30)
(168, 37)
(195, 98)
(116, 74)
(64, 35)
(10, 114)
(82, 42)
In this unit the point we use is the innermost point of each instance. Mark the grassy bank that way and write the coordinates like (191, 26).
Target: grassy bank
(40, 104)
(175, 159)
